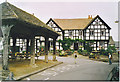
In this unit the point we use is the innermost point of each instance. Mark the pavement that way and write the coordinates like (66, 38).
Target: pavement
(85, 69)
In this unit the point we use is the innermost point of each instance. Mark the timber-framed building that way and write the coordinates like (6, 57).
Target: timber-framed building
(88, 29)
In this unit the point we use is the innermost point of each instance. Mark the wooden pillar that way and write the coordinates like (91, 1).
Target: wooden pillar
(36, 45)
(5, 32)
(14, 44)
(54, 49)
(27, 45)
(32, 60)
(46, 49)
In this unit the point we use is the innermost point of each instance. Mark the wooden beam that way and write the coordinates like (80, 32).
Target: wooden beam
(14, 44)
(54, 49)
(46, 49)
(32, 60)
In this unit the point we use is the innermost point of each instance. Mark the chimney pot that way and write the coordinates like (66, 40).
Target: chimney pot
(88, 16)
(91, 17)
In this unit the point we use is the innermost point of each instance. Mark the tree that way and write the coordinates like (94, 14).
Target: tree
(88, 46)
(66, 43)
(111, 49)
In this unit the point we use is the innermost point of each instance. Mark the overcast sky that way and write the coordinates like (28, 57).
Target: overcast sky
(107, 10)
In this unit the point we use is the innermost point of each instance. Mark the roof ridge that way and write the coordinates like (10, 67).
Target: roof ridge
(8, 4)
(70, 18)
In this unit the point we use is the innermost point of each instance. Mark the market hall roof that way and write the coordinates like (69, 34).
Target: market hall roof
(78, 23)
(14, 15)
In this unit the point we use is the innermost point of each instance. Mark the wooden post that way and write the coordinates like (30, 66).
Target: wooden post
(32, 60)
(5, 32)
(13, 52)
(27, 45)
(46, 49)
(54, 50)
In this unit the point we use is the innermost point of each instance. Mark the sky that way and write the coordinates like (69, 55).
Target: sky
(46, 9)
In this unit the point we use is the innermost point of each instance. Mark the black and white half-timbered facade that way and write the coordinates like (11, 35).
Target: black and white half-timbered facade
(88, 29)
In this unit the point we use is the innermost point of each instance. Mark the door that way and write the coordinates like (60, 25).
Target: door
(75, 46)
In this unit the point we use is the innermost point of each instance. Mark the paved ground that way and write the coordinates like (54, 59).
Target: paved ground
(85, 69)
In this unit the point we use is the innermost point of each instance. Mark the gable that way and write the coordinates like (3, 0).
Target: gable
(97, 21)
(52, 23)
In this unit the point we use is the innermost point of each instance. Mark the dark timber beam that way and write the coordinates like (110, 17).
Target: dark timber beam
(13, 52)
(32, 60)
(27, 45)
(46, 49)
(54, 49)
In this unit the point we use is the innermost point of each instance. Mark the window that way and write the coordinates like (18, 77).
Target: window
(102, 43)
(70, 33)
(80, 32)
(102, 32)
(91, 32)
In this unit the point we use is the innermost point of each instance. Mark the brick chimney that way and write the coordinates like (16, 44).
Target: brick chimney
(89, 16)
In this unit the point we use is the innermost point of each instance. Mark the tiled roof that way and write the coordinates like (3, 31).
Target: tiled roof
(9, 11)
(80, 23)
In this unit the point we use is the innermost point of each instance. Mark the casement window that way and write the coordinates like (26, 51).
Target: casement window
(102, 32)
(70, 33)
(80, 32)
(91, 32)
(102, 43)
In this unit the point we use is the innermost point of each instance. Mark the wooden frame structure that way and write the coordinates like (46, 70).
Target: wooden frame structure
(89, 29)
(18, 24)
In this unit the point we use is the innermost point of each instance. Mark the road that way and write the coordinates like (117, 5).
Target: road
(85, 69)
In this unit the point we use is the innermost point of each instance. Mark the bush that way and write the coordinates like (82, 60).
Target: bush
(92, 55)
(80, 51)
(62, 53)
(102, 51)
(68, 52)
(85, 53)
(72, 50)
(42, 47)
(112, 49)
(88, 46)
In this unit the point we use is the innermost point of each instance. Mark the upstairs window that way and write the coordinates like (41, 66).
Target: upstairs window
(91, 32)
(102, 32)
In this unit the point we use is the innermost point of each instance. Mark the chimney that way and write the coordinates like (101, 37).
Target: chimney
(91, 17)
(88, 16)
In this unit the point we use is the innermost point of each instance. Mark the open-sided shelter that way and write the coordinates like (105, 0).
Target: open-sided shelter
(17, 23)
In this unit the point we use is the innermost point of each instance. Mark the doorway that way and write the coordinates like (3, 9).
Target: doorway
(75, 46)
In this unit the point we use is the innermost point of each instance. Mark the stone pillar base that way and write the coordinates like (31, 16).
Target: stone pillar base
(54, 58)
(46, 58)
(33, 65)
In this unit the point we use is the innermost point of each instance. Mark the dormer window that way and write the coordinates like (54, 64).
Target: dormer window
(91, 32)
